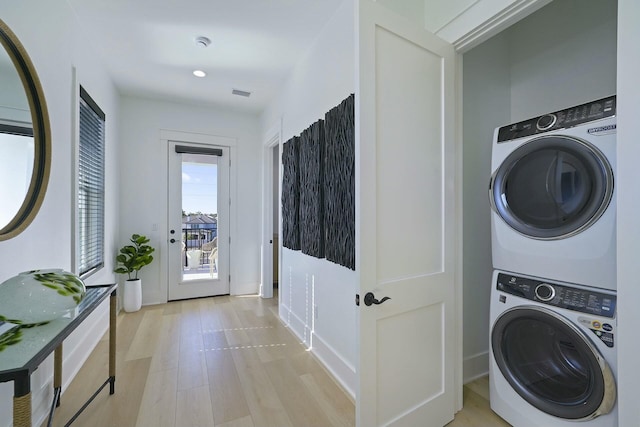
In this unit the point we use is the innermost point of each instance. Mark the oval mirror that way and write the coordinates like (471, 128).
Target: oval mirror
(25, 137)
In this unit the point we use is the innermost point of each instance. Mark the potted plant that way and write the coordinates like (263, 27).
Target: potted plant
(130, 260)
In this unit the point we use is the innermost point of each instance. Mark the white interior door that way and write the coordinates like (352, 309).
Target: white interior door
(406, 230)
(198, 213)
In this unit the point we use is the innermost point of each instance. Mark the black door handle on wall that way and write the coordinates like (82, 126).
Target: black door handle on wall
(370, 299)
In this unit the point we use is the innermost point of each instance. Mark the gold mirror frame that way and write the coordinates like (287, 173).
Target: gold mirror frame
(41, 134)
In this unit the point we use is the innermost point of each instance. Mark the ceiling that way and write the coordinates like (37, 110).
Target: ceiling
(149, 47)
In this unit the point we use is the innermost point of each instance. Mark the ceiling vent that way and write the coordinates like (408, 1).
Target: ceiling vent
(241, 93)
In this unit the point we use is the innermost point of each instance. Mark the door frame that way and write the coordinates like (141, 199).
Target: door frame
(171, 135)
(271, 139)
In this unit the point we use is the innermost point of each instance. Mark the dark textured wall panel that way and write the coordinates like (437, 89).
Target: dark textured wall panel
(312, 190)
(339, 185)
(291, 194)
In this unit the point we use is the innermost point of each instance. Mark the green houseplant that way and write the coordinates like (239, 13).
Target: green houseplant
(133, 257)
(129, 261)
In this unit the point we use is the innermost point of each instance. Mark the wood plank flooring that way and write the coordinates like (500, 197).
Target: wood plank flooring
(223, 362)
(476, 411)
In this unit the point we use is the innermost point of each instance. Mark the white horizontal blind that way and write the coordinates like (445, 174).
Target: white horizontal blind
(90, 186)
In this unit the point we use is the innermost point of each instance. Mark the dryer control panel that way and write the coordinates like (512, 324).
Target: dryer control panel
(562, 119)
(562, 296)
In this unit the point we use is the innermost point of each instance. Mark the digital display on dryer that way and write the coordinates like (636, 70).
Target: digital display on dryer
(576, 299)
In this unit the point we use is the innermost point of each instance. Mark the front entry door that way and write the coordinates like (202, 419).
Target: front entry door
(198, 215)
(406, 222)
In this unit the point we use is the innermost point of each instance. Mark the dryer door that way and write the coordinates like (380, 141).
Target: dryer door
(552, 364)
(552, 187)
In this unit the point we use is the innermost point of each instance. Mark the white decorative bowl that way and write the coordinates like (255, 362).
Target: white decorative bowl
(40, 296)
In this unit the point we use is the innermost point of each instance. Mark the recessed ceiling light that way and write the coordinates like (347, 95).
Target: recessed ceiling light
(199, 73)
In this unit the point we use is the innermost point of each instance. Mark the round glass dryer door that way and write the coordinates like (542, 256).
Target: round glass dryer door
(551, 364)
(552, 187)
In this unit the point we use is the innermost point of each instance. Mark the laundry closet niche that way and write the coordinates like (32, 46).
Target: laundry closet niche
(562, 55)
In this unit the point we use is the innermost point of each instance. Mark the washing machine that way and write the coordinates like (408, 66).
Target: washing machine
(552, 195)
(552, 353)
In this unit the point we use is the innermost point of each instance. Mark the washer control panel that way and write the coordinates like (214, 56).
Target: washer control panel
(562, 296)
(562, 119)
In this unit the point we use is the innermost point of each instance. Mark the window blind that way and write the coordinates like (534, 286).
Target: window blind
(190, 149)
(90, 186)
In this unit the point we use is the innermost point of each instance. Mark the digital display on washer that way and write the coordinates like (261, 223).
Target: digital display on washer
(562, 119)
(581, 300)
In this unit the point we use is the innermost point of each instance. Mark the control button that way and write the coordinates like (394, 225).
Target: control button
(546, 122)
(607, 327)
(545, 292)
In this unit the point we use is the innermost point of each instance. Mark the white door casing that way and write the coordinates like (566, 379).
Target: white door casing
(178, 288)
(405, 213)
(266, 271)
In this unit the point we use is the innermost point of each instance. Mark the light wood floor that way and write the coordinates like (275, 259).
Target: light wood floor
(476, 411)
(224, 362)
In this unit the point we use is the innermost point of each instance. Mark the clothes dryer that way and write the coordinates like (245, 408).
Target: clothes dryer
(553, 348)
(553, 198)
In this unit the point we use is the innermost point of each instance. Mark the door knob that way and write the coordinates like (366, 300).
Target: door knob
(172, 240)
(370, 299)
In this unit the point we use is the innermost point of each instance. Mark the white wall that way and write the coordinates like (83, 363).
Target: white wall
(570, 62)
(13, 103)
(16, 168)
(143, 174)
(628, 208)
(486, 103)
(55, 44)
(320, 81)
(521, 73)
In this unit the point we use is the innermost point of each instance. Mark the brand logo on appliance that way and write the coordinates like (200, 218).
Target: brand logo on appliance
(602, 129)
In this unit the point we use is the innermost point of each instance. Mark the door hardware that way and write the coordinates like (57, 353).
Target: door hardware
(370, 299)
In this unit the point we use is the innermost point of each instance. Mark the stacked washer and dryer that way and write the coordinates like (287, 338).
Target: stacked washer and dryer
(553, 352)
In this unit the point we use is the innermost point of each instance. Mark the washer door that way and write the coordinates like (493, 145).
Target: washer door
(552, 187)
(552, 364)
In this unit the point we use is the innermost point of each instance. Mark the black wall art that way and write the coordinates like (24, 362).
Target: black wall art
(291, 194)
(318, 188)
(339, 184)
(312, 239)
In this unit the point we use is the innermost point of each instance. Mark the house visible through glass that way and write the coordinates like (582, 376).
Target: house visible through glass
(199, 217)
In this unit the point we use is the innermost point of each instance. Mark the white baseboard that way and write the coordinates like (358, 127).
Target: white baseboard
(341, 370)
(296, 324)
(475, 366)
(244, 288)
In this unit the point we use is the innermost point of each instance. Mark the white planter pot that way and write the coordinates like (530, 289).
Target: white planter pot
(132, 297)
(193, 258)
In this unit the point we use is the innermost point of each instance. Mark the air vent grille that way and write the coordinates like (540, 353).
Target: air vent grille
(241, 93)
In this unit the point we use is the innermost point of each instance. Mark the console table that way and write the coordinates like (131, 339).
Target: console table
(19, 360)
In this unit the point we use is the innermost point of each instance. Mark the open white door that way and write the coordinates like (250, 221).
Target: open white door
(405, 148)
